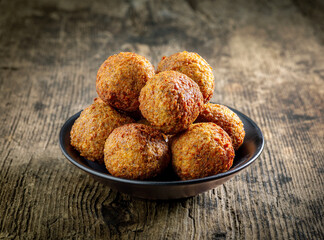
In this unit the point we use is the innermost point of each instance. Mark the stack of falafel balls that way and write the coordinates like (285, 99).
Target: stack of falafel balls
(175, 125)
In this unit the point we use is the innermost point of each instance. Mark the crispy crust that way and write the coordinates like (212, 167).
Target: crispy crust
(226, 119)
(120, 79)
(170, 101)
(204, 149)
(195, 67)
(136, 151)
(145, 122)
(90, 131)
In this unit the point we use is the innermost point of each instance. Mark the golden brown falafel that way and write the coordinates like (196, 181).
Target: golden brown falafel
(120, 79)
(204, 149)
(90, 131)
(136, 151)
(170, 101)
(226, 119)
(195, 67)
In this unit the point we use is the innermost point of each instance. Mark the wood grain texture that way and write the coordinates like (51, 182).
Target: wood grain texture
(268, 62)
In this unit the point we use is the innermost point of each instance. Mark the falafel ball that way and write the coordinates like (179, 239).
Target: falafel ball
(120, 79)
(170, 101)
(90, 131)
(204, 149)
(195, 67)
(136, 151)
(226, 119)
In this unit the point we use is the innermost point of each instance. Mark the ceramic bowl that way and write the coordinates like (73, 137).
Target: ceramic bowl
(167, 186)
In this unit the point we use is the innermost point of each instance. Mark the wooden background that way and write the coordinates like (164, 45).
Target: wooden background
(268, 62)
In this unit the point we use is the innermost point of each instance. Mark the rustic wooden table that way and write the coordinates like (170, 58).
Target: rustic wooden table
(268, 62)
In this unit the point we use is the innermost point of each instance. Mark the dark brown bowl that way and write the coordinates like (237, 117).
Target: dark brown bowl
(167, 186)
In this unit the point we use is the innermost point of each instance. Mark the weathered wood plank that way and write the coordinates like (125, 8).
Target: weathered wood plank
(268, 63)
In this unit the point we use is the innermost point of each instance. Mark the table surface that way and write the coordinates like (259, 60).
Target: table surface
(268, 62)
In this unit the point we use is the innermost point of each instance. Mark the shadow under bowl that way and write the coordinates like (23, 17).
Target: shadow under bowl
(167, 186)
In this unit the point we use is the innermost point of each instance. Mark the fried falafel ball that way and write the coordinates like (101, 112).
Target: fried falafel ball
(136, 151)
(170, 101)
(90, 131)
(195, 67)
(204, 149)
(226, 119)
(120, 79)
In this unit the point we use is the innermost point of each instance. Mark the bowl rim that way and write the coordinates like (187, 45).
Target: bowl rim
(161, 183)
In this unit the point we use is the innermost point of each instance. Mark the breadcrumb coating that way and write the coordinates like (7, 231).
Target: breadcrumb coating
(170, 101)
(120, 79)
(204, 149)
(90, 131)
(195, 67)
(136, 151)
(226, 119)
